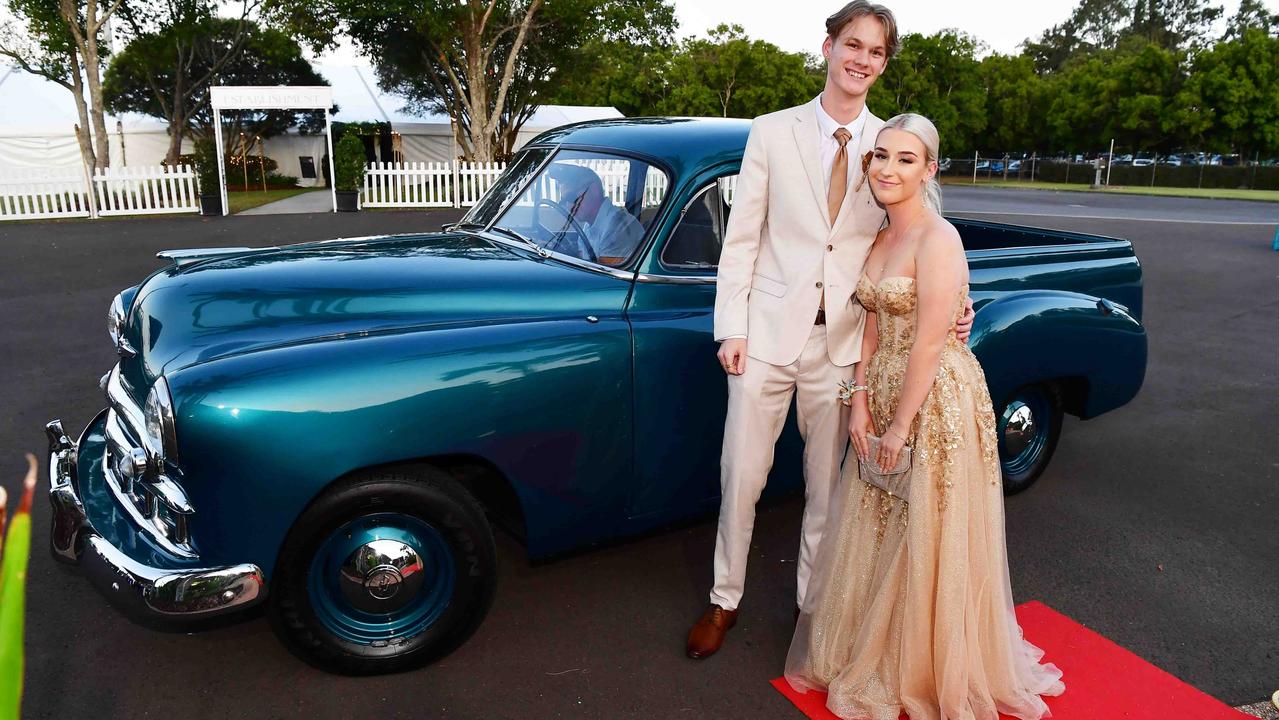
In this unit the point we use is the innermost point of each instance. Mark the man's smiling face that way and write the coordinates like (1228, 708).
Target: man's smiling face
(856, 59)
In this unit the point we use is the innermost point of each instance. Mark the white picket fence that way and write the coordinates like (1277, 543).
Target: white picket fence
(415, 184)
(437, 184)
(145, 190)
(40, 193)
(64, 192)
(475, 179)
(428, 184)
(30, 194)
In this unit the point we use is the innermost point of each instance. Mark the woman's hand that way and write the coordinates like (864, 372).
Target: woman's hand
(859, 426)
(890, 448)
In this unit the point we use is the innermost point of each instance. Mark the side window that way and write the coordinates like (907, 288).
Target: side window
(696, 242)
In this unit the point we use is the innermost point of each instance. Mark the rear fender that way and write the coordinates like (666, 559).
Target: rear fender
(1042, 335)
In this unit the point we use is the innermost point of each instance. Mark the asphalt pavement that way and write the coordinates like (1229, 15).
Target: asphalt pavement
(1154, 525)
(1026, 204)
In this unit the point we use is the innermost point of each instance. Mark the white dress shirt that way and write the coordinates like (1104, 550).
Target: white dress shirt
(830, 145)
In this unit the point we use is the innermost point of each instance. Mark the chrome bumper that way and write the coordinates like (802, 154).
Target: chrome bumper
(143, 592)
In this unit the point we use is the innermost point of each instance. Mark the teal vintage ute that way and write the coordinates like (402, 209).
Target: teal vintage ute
(331, 429)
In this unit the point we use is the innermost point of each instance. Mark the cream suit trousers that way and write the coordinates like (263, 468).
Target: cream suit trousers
(758, 402)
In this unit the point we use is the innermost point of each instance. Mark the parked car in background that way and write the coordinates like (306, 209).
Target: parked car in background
(332, 429)
(943, 165)
(1142, 162)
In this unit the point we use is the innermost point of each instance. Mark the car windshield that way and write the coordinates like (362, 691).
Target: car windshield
(593, 206)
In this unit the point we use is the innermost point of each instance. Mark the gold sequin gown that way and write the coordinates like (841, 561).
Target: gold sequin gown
(909, 606)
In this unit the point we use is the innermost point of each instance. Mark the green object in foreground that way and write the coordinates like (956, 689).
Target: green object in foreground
(13, 581)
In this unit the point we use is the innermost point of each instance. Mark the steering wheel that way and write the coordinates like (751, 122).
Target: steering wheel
(571, 224)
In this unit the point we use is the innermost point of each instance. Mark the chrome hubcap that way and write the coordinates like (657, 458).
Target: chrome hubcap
(381, 576)
(1020, 428)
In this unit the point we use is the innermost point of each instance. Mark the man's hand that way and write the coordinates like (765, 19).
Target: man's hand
(732, 356)
(964, 326)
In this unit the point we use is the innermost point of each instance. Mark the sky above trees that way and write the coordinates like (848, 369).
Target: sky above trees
(1001, 24)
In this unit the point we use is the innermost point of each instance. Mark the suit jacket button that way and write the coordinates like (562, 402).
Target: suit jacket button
(819, 284)
(830, 248)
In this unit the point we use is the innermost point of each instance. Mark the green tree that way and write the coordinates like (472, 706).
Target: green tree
(167, 74)
(1234, 87)
(1141, 87)
(1092, 26)
(1173, 24)
(484, 62)
(1096, 25)
(1128, 95)
(1251, 14)
(729, 75)
(629, 77)
(937, 76)
(1015, 101)
(1077, 114)
(65, 42)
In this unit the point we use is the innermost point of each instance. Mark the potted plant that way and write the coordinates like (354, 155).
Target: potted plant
(348, 166)
(206, 169)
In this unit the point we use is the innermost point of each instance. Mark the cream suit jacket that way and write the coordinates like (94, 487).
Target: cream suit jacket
(781, 250)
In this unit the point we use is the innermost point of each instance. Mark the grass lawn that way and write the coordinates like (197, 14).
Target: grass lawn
(1211, 193)
(252, 198)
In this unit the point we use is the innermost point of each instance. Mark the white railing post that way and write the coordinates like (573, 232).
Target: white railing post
(457, 182)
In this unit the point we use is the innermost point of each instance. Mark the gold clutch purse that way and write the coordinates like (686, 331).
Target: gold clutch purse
(896, 480)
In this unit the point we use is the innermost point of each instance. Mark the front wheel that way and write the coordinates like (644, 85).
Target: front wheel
(1028, 426)
(384, 573)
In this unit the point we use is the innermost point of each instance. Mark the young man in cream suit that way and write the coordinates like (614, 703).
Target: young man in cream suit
(801, 228)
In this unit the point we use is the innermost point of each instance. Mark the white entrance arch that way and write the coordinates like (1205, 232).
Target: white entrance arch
(271, 97)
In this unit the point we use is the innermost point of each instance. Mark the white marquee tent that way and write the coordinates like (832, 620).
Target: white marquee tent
(38, 119)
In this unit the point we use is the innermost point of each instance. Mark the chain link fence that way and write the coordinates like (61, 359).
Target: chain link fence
(1180, 170)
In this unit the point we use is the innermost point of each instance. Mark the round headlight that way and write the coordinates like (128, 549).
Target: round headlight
(115, 320)
(158, 417)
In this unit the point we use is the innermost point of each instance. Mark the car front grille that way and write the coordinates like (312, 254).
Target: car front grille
(139, 478)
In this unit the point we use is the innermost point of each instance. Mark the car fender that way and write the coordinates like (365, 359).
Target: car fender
(1035, 336)
(264, 433)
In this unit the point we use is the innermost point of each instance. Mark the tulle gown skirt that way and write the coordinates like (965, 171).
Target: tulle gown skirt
(910, 606)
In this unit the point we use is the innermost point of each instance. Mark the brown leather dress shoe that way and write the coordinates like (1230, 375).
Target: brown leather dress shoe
(707, 635)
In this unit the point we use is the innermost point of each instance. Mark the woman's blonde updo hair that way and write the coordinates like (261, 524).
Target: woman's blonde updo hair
(922, 128)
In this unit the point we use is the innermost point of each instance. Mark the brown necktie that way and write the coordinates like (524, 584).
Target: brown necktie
(838, 175)
(838, 182)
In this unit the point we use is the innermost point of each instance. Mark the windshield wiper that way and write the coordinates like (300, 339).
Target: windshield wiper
(463, 225)
(543, 252)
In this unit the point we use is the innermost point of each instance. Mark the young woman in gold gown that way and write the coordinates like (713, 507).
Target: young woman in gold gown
(910, 607)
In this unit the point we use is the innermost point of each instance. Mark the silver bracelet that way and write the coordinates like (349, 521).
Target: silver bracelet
(848, 388)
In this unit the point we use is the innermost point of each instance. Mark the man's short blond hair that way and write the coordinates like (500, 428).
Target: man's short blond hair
(836, 23)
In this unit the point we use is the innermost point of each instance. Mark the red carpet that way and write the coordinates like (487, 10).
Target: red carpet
(1103, 680)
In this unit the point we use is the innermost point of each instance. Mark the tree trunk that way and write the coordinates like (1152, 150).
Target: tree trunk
(82, 110)
(175, 144)
(481, 143)
(93, 71)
